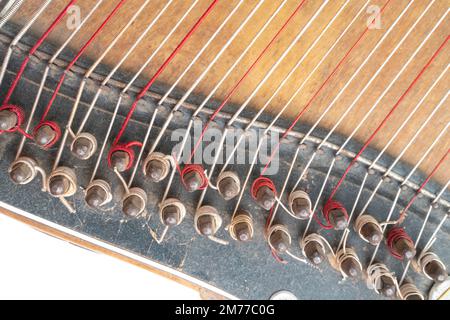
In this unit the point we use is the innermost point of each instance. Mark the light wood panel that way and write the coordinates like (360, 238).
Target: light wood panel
(213, 21)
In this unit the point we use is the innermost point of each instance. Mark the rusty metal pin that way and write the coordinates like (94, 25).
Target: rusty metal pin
(265, 197)
(279, 240)
(228, 188)
(351, 267)
(388, 288)
(171, 215)
(44, 135)
(8, 120)
(192, 181)
(314, 252)
(338, 219)
(120, 160)
(20, 173)
(206, 225)
(435, 271)
(371, 233)
(84, 146)
(59, 185)
(405, 249)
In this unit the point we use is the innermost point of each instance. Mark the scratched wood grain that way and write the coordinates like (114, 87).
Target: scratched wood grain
(358, 55)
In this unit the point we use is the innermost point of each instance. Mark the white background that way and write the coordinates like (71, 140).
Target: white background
(34, 265)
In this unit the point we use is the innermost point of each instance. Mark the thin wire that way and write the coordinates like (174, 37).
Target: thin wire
(381, 41)
(425, 221)
(330, 76)
(130, 83)
(33, 50)
(205, 72)
(382, 124)
(279, 114)
(9, 10)
(117, 37)
(202, 50)
(230, 69)
(144, 90)
(245, 75)
(78, 55)
(19, 36)
(47, 70)
(281, 85)
(118, 65)
(266, 77)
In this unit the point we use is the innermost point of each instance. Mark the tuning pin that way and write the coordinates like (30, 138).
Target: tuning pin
(8, 120)
(404, 248)
(436, 271)
(265, 197)
(22, 170)
(228, 185)
(300, 204)
(156, 166)
(120, 160)
(59, 185)
(45, 135)
(351, 268)
(338, 219)
(410, 292)
(314, 252)
(279, 238)
(84, 146)
(62, 182)
(207, 221)
(98, 194)
(388, 288)
(372, 233)
(349, 263)
(172, 212)
(369, 229)
(241, 227)
(192, 181)
(134, 202)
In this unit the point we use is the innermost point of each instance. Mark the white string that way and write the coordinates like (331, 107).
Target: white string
(19, 36)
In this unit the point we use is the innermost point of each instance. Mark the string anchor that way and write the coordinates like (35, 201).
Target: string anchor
(83, 146)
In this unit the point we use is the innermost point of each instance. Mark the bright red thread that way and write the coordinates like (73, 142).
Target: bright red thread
(381, 125)
(127, 148)
(161, 69)
(33, 50)
(20, 115)
(75, 59)
(197, 169)
(330, 206)
(54, 127)
(404, 214)
(309, 103)
(394, 235)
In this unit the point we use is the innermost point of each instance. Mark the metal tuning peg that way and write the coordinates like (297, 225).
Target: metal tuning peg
(157, 166)
(300, 204)
(228, 185)
(369, 229)
(241, 226)
(98, 193)
(83, 146)
(134, 202)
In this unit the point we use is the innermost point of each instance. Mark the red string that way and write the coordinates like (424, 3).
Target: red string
(393, 236)
(403, 214)
(162, 68)
(197, 169)
(127, 148)
(330, 206)
(245, 75)
(382, 124)
(309, 103)
(33, 50)
(20, 115)
(54, 127)
(78, 55)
